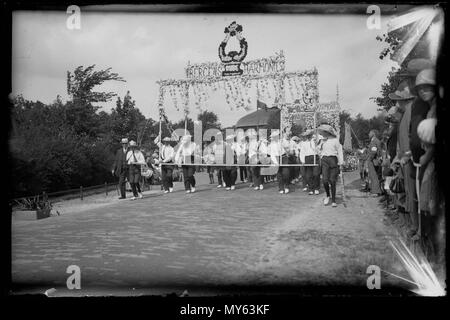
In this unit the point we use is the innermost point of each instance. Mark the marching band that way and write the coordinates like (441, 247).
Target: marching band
(317, 152)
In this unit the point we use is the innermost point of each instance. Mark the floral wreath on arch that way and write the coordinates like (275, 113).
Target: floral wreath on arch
(232, 30)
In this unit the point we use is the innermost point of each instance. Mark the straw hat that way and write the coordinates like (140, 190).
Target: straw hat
(427, 76)
(307, 133)
(275, 134)
(327, 128)
(124, 141)
(402, 93)
(230, 137)
(133, 143)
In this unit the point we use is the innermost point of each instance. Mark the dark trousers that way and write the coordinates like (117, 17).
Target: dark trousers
(312, 173)
(303, 174)
(219, 176)
(284, 174)
(249, 174)
(134, 177)
(189, 179)
(295, 171)
(243, 173)
(230, 176)
(256, 176)
(122, 182)
(166, 177)
(330, 171)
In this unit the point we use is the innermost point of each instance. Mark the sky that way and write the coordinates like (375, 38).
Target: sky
(146, 47)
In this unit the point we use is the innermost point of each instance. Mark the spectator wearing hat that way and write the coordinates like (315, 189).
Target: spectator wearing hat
(309, 155)
(404, 99)
(425, 88)
(167, 158)
(120, 167)
(135, 159)
(185, 156)
(431, 198)
(332, 159)
(419, 111)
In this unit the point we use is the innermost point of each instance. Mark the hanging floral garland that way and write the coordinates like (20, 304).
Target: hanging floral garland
(300, 84)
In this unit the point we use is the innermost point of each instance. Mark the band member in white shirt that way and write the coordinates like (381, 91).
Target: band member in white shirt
(332, 159)
(218, 150)
(208, 158)
(309, 154)
(230, 172)
(257, 152)
(167, 157)
(295, 158)
(185, 155)
(279, 154)
(240, 149)
(135, 159)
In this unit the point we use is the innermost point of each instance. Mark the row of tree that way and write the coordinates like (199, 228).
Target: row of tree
(64, 145)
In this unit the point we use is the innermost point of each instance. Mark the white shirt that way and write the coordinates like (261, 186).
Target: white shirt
(138, 155)
(239, 148)
(252, 147)
(167, 153)
(185, 151)
(275, 150)
(307, 148)
(332, 147)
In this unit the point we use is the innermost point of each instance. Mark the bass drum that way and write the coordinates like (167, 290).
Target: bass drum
(146, 172)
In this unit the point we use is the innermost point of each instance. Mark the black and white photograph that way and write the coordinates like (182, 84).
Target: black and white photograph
(186, 151)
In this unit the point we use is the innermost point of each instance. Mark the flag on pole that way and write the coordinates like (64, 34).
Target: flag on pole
(347, 137)
(260, 105)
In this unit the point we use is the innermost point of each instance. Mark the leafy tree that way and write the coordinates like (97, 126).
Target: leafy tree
(209, 120)
(81, 82)
(80, 111)
(128, 120)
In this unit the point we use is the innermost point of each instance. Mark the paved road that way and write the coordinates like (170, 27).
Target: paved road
(210, 237)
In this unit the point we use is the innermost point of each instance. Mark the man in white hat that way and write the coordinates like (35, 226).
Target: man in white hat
(332, 159)
(419, 111)
(279, 155)
(309, 155)
(120, 167)
(403, 97)
(135, 159)
(185, 157)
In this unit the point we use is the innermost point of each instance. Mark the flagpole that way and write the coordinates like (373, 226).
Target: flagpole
(160, 106)
(353, 132)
